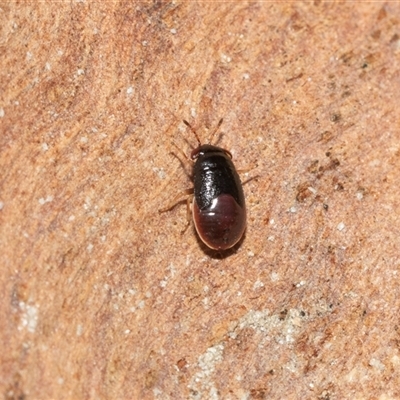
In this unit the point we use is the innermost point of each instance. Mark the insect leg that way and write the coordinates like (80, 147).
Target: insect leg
(188, 212)
(178, 199)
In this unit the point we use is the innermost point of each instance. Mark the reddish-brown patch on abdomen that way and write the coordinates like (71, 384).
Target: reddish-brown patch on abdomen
(222, 224)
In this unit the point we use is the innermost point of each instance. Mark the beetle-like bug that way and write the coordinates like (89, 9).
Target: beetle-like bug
(219, 210)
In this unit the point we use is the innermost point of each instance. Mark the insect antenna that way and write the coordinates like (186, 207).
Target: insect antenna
(193, 130)
(211, 137)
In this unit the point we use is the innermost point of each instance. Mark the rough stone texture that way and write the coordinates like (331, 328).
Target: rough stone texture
(102, 297)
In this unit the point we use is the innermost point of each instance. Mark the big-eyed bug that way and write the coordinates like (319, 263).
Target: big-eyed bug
(219, 209)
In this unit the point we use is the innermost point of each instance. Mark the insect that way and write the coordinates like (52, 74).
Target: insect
(218, 208)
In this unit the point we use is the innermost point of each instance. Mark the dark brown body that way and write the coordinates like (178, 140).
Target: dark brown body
(219, 210)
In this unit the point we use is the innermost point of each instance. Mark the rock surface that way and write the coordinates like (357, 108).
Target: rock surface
(103, 297)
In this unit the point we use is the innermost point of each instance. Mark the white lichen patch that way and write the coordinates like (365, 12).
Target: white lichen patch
(160, 172)
(29, 317)
(163, 283)
(374, 362)
(258, 284)
(340, 226)
(48, 199)
(274, 276)
(202, 384)
(282, 328)
(225, 58)
(79, 330)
